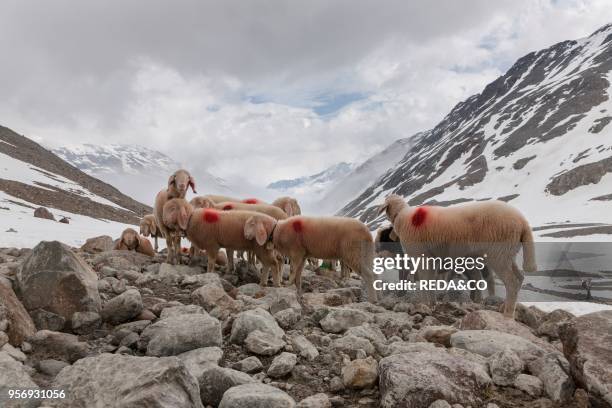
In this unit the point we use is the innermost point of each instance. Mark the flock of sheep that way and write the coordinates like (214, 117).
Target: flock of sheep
(277, 231)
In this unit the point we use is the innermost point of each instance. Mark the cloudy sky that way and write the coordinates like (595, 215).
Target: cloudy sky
(261, 90)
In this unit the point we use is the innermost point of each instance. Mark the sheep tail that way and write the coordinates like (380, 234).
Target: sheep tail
(529, 263)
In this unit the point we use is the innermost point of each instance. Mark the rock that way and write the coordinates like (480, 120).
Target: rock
(368, 331)
(401, 347)
(352, 344)
(215, 380)
(44, 320)
(4, 338)
(98, 244)
(282, 365)
(336, 384)
(113, 380)
(440, 404)
(360, 373)
(42, 212)
(587, 347)
(553, 370)
(136, 326)
(287, 318)
(438, 334)
(13, 375)
(14, 352)
(248, 365)
(129, 341)
(51, 367)
(488, 342)
(58, 346)
(529, 316)
(123, 308)
(20, 324)
(174, 311)
(53, 278)
(264, 344)
(85, 322)
(175, 335)
(490, 320)
(483, 362)
(339, 320)
(64, 220)
(505, 366)
(214, 300)
(121, 260)
(418, 379)
(320, 400)
(549, 323)
(196, 360)
(256, 396)
(146, 314)
(251, 320)
(529, 384)
(202, 279)
(303, 347)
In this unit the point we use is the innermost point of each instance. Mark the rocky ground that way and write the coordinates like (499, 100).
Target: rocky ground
(119, 329)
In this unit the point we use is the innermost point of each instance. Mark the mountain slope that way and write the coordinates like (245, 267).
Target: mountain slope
(136, 170)
(32, 176)
(538, 136)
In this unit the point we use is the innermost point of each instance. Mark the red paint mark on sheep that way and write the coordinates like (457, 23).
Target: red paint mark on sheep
(250, 201)
(211, 216)
(298, 225)
(227, 207)
(419, 216)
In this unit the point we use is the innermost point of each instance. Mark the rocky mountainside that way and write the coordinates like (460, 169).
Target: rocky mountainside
(136, 170)
(31, 176)
(538, 136)
(319, 181)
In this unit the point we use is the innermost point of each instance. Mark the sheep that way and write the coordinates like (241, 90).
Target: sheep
(130, 240)
(211, 230)
(299, 237)
(178, 183)
(289, 205)
(149, 228)
(221, 198)
(493, 228)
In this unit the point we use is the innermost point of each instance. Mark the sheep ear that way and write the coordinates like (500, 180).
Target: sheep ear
(393, 235)
(183, 218)
(382, 208)
(288, 209)
(171, 180)
(249, 228)
(192, 184)
(261, 235)
(208, 203)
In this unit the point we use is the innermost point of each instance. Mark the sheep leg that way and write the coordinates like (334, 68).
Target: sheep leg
(512, 277)
(364, 268)
(345, 272)
(297, 264)
(156, 243)
(230, 260)
(212, 258)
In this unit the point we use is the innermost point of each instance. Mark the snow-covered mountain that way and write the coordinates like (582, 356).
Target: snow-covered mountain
(31, 176)
(539, 137)
(136, 170)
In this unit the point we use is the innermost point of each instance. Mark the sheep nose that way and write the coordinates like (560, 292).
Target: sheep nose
(182, 187)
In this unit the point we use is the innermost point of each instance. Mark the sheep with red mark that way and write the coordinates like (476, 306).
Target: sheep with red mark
(211, 230)
(493, 228)
(299, 237)
(149, 228)
(130, 240)
(289, 205)
(178, 183)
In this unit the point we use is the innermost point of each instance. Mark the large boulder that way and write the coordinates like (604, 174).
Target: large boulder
(176, 335)
(13, 375)
(587, 345)
(53, 278)
(123, 308)
(94, 245)
(416, 380)
(42, 212)
(256, 396)
(251, 320)
(488, 342)
(553, 370)
(20, 324)
(215, 380)
(59, 346)
(113, 380)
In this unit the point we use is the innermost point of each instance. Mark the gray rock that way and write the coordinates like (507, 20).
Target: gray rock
(123, 308)
(248, 365)
(174, 311)
(4, 339)
(529, 384)
(553, 370)
(250, 289)
(215, 380)
(58, 346)
(264, 344)
(549, 323)
(196, 360)
(202, 279)
(85, 322)
(19, 324)
(45, 320)
(440, 404)
(488, 342)
(505, 366)
(339, 320)
(94, 245)
(368, 331)
(137, 326)
(51, 367)
(304, 347)
(287, 318)
(256, 396)
(418, 379)
(251, 320)
(352, 344)
(587, 347)
(53, 278)
(282, 365)
(360, 373)
(215, 300)
(320, 400)
(129, 341)
(13, 375)
(401, 347)
(14, 352)
(43, 212)
(113, 380)
(175, 335)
